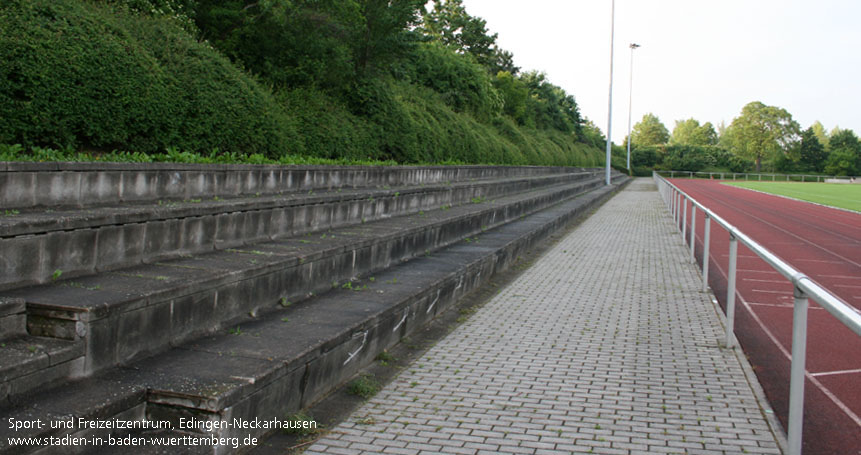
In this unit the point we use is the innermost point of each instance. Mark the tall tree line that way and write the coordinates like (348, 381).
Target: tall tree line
(761, 138)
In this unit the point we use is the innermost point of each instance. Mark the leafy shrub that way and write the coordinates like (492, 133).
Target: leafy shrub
(459, 79)
(303, 42)
(328, 128)
(78, 74)
(645, 156)
(686, 158)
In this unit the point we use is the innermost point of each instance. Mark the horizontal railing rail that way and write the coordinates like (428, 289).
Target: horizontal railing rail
(804, 288)
(768, 177)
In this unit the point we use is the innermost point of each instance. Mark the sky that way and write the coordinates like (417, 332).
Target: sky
(698, 59)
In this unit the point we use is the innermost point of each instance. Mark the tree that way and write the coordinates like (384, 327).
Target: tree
(549, 105)
(690, 132)
(286, 42)
(649, 131)
(592, 135)
(821, 134)
(845, 155)
(762, 132)
(514, 95)
(812, 152)
(384, 34)
(721, 130)
(449, 23)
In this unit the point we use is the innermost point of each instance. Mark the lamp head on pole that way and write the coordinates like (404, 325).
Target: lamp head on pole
(634, 45)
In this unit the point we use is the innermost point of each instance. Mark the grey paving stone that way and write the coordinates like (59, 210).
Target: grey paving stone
(605, 344)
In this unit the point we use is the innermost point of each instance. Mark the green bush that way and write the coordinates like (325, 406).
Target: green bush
(84, 75)
(329, 129)
(287, 43)
(686, 158)
(461, 81)
(416, 125)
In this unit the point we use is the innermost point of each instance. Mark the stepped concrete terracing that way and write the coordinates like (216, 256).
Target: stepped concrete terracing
(39, 243)
(28, 185)
(270, 325)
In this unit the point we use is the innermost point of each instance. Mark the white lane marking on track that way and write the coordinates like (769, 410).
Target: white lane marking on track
(842, 277)
(847, 286)
(770, 272)
(840, 404)
(740, 256)
(783, 305)
(767, 281)
(819, 260)
(772, 292)
(830, 373)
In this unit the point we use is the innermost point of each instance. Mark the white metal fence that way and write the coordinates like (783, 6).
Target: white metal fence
(761, 177)
(804, 288)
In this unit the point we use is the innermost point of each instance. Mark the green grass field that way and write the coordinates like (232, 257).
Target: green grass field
(845, 196)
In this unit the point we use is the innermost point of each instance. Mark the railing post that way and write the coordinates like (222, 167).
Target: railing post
(796, 375)
(684, 219)
(706, 239)
(668, 197)
(730, 290)
(673, 202)
(676, 208)
(693, 231)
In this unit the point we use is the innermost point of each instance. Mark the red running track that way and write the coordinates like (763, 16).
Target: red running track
(821, 242)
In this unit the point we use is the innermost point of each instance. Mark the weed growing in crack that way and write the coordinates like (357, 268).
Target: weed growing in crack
(385, 358)
(364, 386)
(366, 421)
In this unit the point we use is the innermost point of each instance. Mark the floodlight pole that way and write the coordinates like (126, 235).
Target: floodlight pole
(630, 101)
(610, 101)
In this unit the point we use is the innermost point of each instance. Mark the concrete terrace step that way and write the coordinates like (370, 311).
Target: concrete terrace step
(38, 243)
(122, 315)
(26, 185)
(286, 359)
(30, 360)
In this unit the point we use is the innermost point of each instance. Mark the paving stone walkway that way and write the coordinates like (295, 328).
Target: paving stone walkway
(605, 345)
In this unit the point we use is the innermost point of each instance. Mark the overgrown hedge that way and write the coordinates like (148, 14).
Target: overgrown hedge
(78, 74)
(95, 77)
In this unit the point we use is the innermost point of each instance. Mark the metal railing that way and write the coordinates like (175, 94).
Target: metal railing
(804, 289)
(749, 176)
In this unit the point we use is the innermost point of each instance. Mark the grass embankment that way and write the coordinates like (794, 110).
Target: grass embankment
(845, 196)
